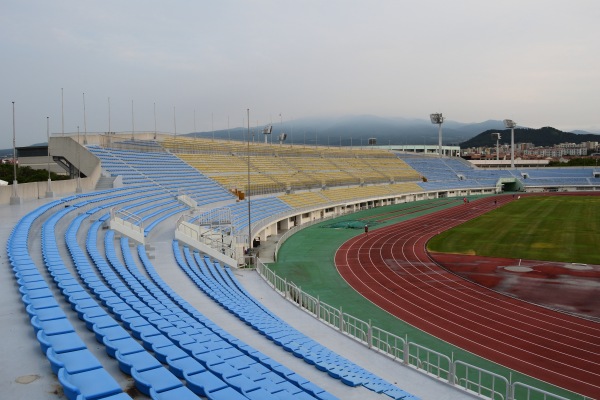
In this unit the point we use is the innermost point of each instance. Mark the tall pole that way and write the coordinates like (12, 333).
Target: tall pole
(154, 120)
(14, 198)
(512, 147)
(109, 115)
(248, 187)
(440, 139)
(212, 125)
(48, 141)
(437, 118)
(498, 149)
(49, 192)
(14, 147)
(174, 123)
(84, 123)
(132, 121)
(62, 110)
(509, 123)
(78, 189)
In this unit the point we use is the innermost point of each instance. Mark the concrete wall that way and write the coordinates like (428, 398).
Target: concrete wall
(68, 148)
(78, 155)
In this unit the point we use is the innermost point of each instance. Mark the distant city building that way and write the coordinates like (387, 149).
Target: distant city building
(528, 151)
(561, 150)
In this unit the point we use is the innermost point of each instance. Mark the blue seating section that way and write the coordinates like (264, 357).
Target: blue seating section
(162, 169)
(225, 358)
(223, 288)
(78, 370)
(260, 209)
(444, 173)
(558, 177)
(153, 334)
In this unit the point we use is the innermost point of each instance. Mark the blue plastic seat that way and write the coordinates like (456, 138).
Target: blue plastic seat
(60, 343)
(158, 379)
(140, 360)
(72, 361)
(93, 384)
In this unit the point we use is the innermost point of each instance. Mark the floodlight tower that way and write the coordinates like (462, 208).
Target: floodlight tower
(496, 135)
(282, 137)
(438, 119)
(267, 131)
(509, 123)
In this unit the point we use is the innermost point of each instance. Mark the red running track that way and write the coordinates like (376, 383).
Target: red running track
(390, 267)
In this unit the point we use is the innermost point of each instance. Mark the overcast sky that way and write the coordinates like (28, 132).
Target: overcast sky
(535, 61)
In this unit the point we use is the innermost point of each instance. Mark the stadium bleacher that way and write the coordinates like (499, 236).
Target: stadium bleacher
(167, 347)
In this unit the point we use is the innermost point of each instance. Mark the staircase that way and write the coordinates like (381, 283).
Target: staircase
(105, 182)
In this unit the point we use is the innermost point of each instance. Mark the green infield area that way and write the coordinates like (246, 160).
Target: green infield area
(551, 228)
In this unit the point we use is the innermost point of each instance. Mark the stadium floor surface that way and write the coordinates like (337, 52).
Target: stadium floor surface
(534, 281)
(391, 268)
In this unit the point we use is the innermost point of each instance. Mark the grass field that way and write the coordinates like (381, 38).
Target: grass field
(551, 228)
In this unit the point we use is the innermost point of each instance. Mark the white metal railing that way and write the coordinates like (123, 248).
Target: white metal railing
(224, 244)
(128, 224)
(429, 361)
(481, 381)
(460, 374)
(530, 392)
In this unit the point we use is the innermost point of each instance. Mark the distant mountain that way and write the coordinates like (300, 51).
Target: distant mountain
(357, 129)
(546, 136)
(580, 132)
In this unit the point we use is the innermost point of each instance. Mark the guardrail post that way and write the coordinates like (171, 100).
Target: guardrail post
(319, 307)
(341, 320)
(370, 335)
(405, 351)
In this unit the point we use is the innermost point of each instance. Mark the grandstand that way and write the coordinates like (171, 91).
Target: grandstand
(127, 286)
(275, 168)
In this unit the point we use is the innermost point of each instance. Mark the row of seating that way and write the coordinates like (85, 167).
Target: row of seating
(137, 315)
(260, 208)
(223, 289)
(163, 170)
(79, 371)
(149, 376)
(208, 146)
(244, 368)
(228, 163)
(132, 358)
(444, 173)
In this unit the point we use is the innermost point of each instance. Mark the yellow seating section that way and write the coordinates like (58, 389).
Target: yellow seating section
(342, 194)
(306, 199)
(288, 166)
